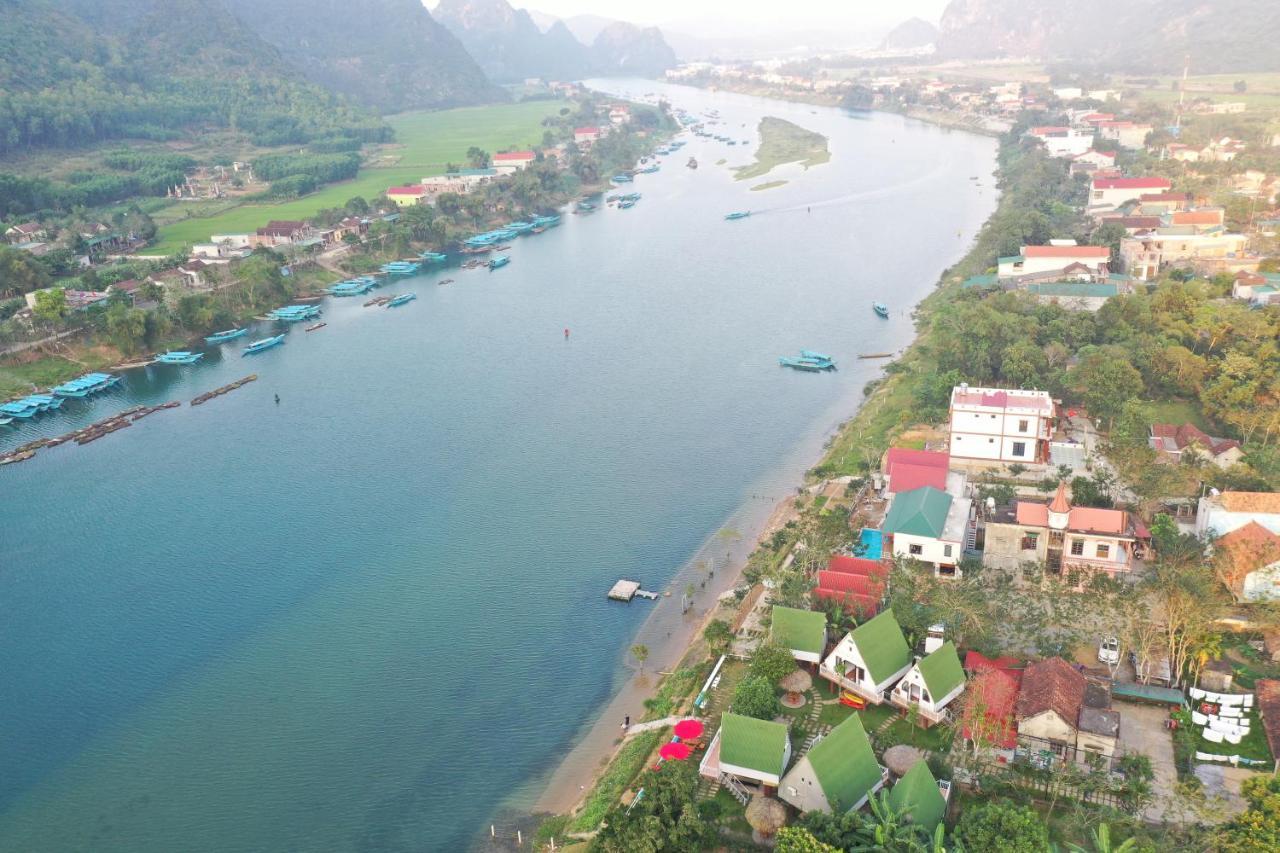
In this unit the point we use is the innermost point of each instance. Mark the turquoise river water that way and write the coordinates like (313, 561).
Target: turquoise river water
(360, 618)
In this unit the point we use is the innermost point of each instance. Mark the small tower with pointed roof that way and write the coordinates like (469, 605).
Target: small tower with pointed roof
(1059, 508)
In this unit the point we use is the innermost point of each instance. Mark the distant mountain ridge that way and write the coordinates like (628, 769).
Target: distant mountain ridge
(910, 34)
(514, 44)
(1138, 35)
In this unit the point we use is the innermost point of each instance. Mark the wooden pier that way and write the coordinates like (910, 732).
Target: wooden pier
(625, 590)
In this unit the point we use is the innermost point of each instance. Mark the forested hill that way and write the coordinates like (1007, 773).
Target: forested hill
(387, 53)
(1137, 35)
(75, 72)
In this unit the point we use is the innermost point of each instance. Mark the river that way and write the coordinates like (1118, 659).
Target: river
(363, 616)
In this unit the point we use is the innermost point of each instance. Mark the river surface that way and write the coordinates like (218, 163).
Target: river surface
(360, 618)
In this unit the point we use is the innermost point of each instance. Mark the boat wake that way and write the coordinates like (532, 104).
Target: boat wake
(878, 192)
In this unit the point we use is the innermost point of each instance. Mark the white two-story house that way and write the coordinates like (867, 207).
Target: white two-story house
(997, 425)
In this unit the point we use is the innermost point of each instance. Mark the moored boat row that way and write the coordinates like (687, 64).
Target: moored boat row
(295, 313)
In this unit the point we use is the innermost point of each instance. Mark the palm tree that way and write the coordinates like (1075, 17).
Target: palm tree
(890, 829)
(1209, 648)
(1100, 842)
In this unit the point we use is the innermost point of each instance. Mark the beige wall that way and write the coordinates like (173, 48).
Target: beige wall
(801, 789)
(1096, 743)
(1047, 725)
(1003, 547)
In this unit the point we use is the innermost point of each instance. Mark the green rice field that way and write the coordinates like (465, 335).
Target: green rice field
(425, 142)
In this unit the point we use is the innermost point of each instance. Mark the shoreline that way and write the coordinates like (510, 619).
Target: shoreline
(598, 742)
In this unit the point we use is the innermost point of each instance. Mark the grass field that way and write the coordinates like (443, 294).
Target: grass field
(784, 142)
(426, 141)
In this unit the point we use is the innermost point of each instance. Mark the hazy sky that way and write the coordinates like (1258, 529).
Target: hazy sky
(790, 15)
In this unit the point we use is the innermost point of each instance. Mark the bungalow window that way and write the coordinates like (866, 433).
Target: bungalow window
(1077, 547)
(1022, 426)
(1019, 448)
(1029, 541)
(946, 550)
(1104, 551)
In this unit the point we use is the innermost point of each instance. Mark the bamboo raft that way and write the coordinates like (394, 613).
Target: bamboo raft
(88, 434)
(875, 355)
(225, 389)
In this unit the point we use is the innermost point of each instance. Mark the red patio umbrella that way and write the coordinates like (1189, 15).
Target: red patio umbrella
(674, 751)
(686, 729)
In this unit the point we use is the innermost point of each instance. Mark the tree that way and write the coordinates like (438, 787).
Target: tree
(51, 304)
(772, 662)
(718, 635)
(641, 653)
(664, 820)
(127, 327)
(1240, 86)
(1100, 842)
(477, 157)
(797, 839)
(20, 272)
(1002, 827)
(1104, 380)
(755, 696)
(1258, 828)
(841, 831)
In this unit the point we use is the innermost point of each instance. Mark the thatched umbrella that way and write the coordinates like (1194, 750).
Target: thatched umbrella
(766, 816)
(901, 758)
(795, 684)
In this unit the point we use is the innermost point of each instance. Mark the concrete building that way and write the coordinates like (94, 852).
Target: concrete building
(931, 526)
(1061, 712)
(510, 162)
(1114, 192)
(998, 425)
(1247, 561)
(1221, 513)
(1146, 254)
(1034, 260)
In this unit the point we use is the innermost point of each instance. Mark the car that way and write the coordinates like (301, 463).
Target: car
(853, 700)
(1109, 651)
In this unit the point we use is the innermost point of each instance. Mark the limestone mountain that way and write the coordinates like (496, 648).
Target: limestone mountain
(388, 53)
(509, 45)
(623, 48)
(1134, 35)
(910, 34)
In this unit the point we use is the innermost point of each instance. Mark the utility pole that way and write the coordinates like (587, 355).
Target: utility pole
(1182, 94)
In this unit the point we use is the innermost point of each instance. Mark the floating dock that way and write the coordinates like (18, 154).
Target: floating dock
(625, 590)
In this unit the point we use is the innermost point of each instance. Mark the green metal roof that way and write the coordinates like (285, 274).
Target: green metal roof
(882, 646)
(917, 794)
(941, 670)
(758, 745)
(1011, 259)
(845, 764)
(1073, 289)
(919, 512)
(801, 630)
(988, 280)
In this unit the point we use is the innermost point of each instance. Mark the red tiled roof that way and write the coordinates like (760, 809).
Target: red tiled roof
(411, 189)
(1081, 518)
(1268, 691)
(857, 566)
(1243, 551)
(1198, 217)
(1066, 252)
(978, 662)
(997, 692)
(513, 155)
(911, 469)
(1038, 131)
(863, 605)
(1091, 118)
(1131, 183)
(1158, 197)
(1268, 502)
(1184, 435)
(1051, 685)
(578, 130)
(858, 584)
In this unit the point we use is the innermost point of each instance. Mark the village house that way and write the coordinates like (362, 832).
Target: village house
(1092, 160)
(1174, 442)
(223, 250)
(406, 196)
(585, 137)
(77, 300)
(1114, 192)
(1219, 513)
(193, 274)
(801, 632)
(1076, 295)
(1259, 288)
(996, 425)
(1203, 219)
(1062, 713)
(931, 684)
(870, 659)
(905, 469)
(858, 584)
(931, 526)
(1063, 141)
(1161, 203)
(1126, 134)
(838, 774)
(750, 751)
(1145, 254)
(27, 232)
(1054, 259)
(1067, 541)
(620, 114)
(460, 182)
(510, 162)
(1248, 562)
(281, 232)
(919, 798)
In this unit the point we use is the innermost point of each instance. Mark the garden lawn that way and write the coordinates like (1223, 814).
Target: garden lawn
(1252, 745)
(1178, 412)
(935, 739)
(631, 759)
(835, 713)
(425, 143)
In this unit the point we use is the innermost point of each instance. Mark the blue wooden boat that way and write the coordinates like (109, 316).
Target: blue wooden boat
(397, 301)
(500, 261)
(881, 309)
(799, 364)
(295, 313)
(546, 221)
(816, 356)
(179, 357)
(19, 409)
(433, 257)
(265, 343)
(228, 335)
(520, 227)
(5, 421)
(741, 214)
(626, 205)
(586, 206)
(621, 179)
